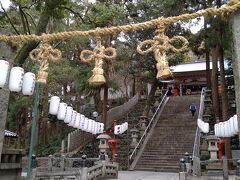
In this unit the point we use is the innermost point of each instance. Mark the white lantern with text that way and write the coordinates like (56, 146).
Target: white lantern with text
(54, 105)
(235, 122)
(77, 121)
(85, 127)
(4, 68)
(62, 111)
(16, 79)
(74, 115)
(68, 116)
(28, 84)
(118, 129)
(82, 121)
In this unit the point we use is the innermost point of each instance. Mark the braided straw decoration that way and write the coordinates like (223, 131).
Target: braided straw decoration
(232, 6)
(98, 55)
(42, 55)
(159, 45)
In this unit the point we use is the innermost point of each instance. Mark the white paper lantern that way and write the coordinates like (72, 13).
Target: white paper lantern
(62, 111)
(54, 105)
(95, 127)
(77, 121)
(90, 126)
(206, 128)
(85, 127)
(216, 130)
(4, 67)
(74, 115)
(118, 129)
(16, 79)
(28, 83)
(221, 131)
(232, 125)
(68, 116)
(82, 121)
(100, 128)
(235, 122)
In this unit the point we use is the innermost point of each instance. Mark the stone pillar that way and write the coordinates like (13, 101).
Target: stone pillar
(236, 60)
(237, 175)
(68, 142)
(182, 170)
(134, 135)
(84, 169)
(6, 52)
(63, 146)
(181, 90)
(187, 162)
(50, 159)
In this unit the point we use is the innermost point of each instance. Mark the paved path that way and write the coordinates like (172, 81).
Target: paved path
(148, 175)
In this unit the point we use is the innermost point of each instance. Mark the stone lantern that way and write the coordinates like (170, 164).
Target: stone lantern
(134, 135)
(212, 146)
(103, 144)
(142, 123)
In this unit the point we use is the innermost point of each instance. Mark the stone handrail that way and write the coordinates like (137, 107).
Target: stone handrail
(197, 135)
(78, 138)
(196, 146)
(153, 119)
(64, 167)
(94, 171)
(120, 111)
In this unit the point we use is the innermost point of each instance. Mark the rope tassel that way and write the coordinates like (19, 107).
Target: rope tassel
(159, 45)
(43, 55)
(98, 55)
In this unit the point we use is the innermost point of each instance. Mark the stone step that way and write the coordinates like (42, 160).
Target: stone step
(158, 168)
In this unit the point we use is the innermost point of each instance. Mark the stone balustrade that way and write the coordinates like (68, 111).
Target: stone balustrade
(75, 168)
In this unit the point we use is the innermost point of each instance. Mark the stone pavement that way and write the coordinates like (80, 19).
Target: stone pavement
(148, 175)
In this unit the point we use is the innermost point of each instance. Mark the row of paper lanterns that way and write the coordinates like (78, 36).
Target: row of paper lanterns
(73, 118)
(120, 129)
(227, 128)
(203, 125)
(18, 80)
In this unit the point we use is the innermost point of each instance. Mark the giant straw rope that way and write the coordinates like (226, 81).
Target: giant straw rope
(159, 45)
(232, 6)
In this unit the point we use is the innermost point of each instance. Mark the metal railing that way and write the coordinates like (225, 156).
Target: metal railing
(153, 119)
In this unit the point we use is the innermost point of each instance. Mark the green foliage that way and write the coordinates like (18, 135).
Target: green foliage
(50, 148)
(105, 14)
(17, 104)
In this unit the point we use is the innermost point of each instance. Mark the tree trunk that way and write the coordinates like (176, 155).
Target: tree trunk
(105, 104)
(225, 111)
(150, 97)
(7, 52)
(208, 72)
(215, 95)
(41, 28)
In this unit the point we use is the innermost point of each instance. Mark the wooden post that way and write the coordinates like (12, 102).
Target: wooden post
(236, 61)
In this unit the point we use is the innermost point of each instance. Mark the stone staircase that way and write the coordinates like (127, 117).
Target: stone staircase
(124, 139)
(173, 136)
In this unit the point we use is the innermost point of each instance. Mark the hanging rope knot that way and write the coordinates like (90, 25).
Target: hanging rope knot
(159, 46)
(98, 55)
(43, 55)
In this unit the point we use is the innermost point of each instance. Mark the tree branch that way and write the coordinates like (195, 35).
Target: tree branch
(75, 13)
(9, 19)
